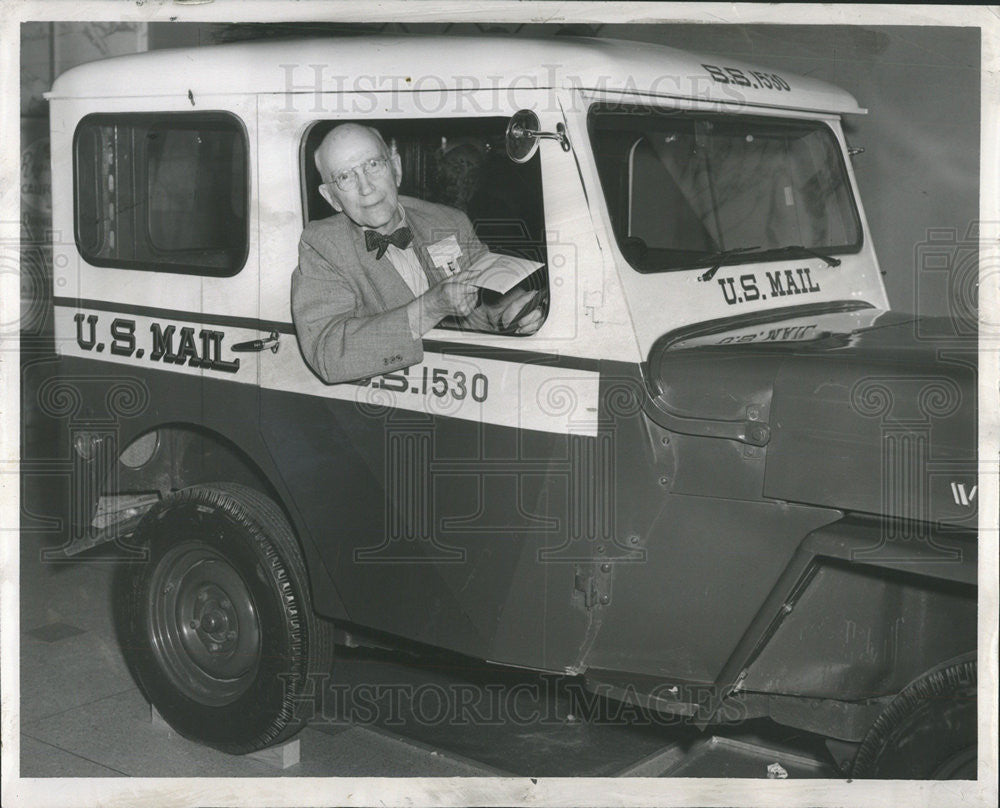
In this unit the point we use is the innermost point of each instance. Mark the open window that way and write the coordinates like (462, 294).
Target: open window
(462, 163)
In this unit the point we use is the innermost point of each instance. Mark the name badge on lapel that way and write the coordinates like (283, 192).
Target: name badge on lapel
(444, 254)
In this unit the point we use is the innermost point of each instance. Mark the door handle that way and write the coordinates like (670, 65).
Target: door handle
(252, 346)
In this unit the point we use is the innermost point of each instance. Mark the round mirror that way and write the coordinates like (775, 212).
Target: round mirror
(521, 136)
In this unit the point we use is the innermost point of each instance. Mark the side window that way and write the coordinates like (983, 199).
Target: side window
(462, 163)
(165, 192)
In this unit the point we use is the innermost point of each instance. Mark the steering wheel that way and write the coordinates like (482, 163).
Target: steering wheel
(539, 299)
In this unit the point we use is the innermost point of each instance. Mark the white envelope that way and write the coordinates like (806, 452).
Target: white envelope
(501, 273)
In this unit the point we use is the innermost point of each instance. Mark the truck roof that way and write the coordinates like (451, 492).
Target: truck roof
(383, 63)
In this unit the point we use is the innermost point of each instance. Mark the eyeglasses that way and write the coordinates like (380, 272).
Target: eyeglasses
(347, 178)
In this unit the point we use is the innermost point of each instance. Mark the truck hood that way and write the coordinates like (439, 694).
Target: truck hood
(862, 410)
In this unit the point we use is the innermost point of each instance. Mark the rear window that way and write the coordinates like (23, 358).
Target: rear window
(165, 192)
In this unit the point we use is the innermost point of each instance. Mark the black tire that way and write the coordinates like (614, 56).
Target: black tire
(217, 624)
(928, 732)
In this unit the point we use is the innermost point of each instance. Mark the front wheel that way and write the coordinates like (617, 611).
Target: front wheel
(217, 624)
(928, 731)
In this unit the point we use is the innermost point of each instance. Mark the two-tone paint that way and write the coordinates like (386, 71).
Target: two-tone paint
(662, 490)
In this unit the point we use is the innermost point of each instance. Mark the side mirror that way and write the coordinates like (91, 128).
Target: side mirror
(523, 136)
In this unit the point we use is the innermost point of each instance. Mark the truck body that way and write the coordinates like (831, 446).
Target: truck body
(722, 479)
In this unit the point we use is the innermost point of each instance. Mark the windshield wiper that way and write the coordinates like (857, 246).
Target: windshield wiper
(719, 258)
(798, 249)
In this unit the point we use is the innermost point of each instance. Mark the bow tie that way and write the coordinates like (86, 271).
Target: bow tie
(379, 243)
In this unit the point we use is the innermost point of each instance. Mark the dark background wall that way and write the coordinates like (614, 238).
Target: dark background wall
(919, 176)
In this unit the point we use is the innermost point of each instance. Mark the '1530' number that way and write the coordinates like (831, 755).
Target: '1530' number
(439, 382)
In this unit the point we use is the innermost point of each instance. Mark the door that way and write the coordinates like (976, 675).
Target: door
(432, 492)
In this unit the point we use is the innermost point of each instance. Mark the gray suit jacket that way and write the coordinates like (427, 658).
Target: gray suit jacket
(349, 309)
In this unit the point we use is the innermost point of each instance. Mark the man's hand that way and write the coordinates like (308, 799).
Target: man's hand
(517, 312)
(454, 296)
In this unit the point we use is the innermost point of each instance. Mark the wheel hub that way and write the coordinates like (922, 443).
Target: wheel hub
(215, 620)
(203, 624)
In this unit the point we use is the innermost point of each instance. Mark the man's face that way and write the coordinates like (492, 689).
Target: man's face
(373, 201)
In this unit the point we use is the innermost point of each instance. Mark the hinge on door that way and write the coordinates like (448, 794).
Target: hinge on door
(595, 584)
(585, 583)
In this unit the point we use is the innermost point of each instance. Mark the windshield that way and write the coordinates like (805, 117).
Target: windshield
(688, 190)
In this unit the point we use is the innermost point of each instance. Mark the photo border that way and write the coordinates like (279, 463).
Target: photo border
(521, 790)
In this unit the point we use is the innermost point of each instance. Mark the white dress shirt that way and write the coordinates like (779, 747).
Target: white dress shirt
(406, 263)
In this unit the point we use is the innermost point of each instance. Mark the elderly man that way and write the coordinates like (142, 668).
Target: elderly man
(372, 281)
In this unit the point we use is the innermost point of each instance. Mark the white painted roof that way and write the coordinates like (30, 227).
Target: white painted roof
(433, 62)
